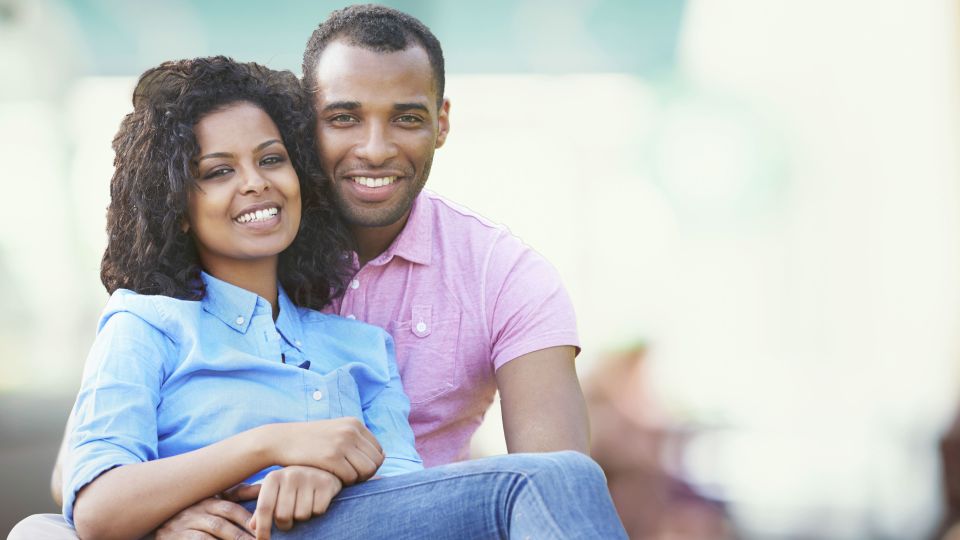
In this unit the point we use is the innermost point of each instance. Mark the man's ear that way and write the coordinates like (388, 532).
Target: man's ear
(443, 122)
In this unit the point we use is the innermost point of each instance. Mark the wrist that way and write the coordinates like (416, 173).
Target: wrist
(260, 447)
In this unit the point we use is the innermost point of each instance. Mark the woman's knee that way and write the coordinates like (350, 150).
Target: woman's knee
(561, 466)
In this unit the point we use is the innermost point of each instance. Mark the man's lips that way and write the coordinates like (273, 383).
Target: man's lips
(374, 182)
(373, 188)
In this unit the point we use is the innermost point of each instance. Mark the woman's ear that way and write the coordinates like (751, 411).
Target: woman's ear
(184, 226)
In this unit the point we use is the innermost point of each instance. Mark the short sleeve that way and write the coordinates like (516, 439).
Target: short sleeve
(526, 305)
(116, 409)
(386, 415)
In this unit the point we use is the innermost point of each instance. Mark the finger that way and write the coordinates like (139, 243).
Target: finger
(182, 535)
(220, 528)
(367, 436)
(241, 492)
(324, 495)
(344, 470)
(263, 515)
(168, 534)
(362, 463)
(286, 502)
(236, 517)
(303, 509)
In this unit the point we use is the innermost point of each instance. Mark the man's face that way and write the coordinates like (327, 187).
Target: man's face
(378, 125)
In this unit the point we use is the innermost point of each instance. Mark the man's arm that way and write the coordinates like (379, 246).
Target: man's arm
(542, 404)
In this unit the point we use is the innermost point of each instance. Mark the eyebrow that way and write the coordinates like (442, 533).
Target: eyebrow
(354, 105)
(259, 147)
(410, 107)
(342, 105)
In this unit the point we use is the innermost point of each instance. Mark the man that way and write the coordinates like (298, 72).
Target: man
(472, 310)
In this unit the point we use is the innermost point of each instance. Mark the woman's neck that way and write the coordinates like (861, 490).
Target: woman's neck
(258, 277)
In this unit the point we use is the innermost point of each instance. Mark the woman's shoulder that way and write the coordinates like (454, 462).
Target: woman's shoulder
(162, 313)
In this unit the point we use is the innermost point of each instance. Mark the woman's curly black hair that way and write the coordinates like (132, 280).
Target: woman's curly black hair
(147, 250)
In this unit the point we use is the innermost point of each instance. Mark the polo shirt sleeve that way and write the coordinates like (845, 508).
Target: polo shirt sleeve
(527, 307)
(386, 416)
(116, 409)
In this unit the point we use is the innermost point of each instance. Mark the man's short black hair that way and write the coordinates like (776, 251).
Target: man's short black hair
(377, 28)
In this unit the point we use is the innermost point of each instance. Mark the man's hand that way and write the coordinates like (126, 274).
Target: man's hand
(211, 519)
(292, 494)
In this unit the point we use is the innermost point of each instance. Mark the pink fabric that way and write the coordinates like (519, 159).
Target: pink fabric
(461, 297)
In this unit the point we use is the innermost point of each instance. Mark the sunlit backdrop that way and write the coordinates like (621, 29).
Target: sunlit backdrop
(763, 193)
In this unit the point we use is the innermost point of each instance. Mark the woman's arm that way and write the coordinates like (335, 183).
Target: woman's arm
(131, 500)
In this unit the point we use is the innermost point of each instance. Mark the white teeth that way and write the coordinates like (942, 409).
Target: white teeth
(259, 215)
(374, 182)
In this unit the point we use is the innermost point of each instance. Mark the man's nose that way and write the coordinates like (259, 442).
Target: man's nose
(377, 146)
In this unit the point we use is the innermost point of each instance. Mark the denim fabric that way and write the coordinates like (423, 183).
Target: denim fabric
(551, 496)
(531, 496)
(168, 376)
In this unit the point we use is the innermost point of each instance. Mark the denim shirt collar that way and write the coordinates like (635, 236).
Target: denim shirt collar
(235, 307)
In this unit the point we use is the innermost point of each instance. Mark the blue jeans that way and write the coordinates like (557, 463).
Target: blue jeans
(556, 495)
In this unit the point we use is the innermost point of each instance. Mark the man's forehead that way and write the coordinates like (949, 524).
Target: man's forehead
(345, 71)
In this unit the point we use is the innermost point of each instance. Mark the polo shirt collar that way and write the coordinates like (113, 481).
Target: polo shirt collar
(415, 241)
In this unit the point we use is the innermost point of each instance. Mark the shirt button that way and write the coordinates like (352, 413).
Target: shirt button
(355, 284)
(318, 395)
(421, 327)
(240, 321)
(351, 316)
(298, 343)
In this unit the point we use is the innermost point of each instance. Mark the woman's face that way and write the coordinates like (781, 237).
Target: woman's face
(246, 203)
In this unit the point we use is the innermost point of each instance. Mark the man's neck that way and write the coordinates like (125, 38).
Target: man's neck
(372, 241)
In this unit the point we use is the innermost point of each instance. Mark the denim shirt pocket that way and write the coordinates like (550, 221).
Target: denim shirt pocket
(349, 395)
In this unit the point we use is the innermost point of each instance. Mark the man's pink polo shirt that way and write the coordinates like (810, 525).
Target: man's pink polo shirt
(461, 297)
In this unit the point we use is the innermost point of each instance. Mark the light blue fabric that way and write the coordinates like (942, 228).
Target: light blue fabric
(558, 495)
(168, 376)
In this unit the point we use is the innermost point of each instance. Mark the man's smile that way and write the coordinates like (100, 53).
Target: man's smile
(369, 182)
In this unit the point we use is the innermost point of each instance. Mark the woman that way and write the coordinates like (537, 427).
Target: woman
(211, 368)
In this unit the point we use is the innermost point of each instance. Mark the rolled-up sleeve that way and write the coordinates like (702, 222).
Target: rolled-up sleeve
(386, 415)
(116, 409)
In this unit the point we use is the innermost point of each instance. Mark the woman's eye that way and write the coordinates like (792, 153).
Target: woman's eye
(272, 160)
(217, 173)
(343, 119)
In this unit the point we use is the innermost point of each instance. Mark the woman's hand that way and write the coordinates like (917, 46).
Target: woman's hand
(342, 446)
(291, 494)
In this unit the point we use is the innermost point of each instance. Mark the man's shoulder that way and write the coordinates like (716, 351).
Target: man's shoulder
(465, 229)
(447, 212)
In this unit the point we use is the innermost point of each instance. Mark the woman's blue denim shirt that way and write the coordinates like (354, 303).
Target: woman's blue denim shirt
(168, 376)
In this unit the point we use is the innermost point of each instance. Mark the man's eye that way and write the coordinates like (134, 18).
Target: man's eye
(408, 119)
(343, 119)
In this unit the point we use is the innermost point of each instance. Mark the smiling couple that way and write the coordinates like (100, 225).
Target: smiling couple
(230, 393)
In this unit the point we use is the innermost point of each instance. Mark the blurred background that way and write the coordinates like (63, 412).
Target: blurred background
(754, 205)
